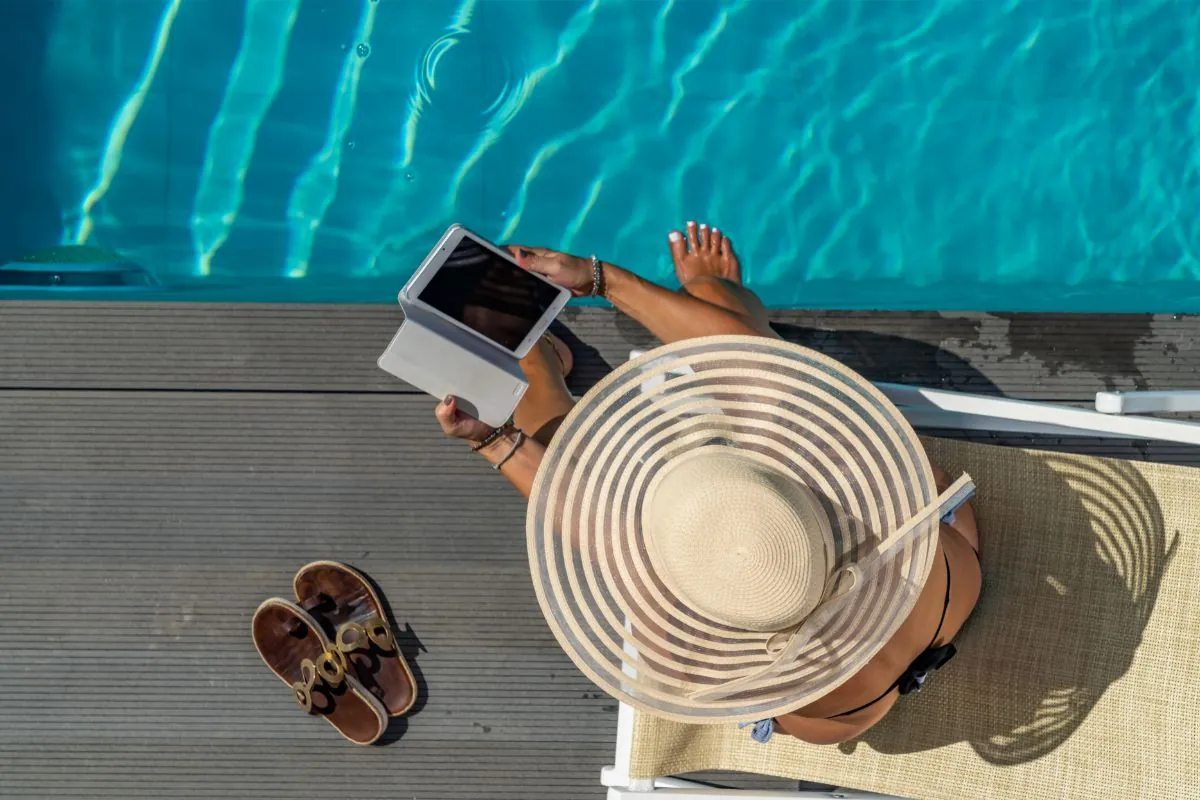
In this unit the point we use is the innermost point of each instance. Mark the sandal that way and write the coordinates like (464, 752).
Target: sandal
(291, 643)
(342, 599)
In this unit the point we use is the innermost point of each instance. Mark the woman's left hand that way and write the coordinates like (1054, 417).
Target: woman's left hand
(458, 423)
(568, 271)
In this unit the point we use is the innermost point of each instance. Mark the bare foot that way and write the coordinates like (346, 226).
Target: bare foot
(709, 270)
(547, 400)
(562, 353)
(704, 252)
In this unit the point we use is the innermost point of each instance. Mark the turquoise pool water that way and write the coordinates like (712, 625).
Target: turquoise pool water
(937, 154)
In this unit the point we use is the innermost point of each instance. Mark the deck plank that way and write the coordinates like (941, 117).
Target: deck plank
(187, 346)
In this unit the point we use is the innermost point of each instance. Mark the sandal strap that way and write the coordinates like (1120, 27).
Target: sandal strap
(329, 667)
(353, 636)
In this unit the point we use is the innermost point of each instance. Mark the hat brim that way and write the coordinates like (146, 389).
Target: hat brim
(792, 408)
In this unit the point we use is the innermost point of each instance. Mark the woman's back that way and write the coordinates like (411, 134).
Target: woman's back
(947, 600)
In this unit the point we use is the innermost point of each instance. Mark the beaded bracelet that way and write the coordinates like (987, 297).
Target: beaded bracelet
(493, 436)
(597, 277)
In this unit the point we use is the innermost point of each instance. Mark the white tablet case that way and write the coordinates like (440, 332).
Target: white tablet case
(438, 357)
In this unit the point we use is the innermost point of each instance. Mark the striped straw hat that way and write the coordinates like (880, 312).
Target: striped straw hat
(729, 528)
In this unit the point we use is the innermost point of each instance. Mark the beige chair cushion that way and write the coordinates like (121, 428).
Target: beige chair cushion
(1077, 676)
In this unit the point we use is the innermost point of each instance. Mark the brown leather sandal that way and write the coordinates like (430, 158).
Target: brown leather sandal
(291, 643)
(342, 599)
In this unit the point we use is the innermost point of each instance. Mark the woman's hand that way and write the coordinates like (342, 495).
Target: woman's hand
(568, 271)
(458, 423)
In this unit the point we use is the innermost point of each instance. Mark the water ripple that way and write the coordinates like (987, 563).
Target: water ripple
(578, 26)
(495, 96)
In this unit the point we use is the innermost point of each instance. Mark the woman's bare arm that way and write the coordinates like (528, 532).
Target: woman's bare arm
(522, 467)
(671, 316)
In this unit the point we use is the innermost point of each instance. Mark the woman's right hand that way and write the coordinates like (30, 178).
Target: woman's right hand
(568, 271)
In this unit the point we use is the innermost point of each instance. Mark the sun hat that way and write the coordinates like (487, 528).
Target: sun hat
(729, 528)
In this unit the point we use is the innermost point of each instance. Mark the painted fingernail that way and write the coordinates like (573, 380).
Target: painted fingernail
(716, 230)
(691, 223)
(674, 236)
(448, 399)
(703, 227)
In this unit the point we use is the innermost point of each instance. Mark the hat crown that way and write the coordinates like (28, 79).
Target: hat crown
(738, 541)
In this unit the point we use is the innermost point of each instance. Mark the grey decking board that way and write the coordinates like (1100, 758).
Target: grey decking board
(141, 521)
(279, 348)
(140, 530)
(308, 768)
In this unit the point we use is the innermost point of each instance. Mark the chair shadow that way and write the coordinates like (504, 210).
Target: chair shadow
(892, 359)
(410, 647)
(880, 357)
(1060, 619)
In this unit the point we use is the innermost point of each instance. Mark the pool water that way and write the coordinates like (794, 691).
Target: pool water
(904, 154)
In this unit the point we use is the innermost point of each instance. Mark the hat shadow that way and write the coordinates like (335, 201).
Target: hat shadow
(1061, 616)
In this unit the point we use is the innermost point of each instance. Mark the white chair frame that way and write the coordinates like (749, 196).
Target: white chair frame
(940, 409)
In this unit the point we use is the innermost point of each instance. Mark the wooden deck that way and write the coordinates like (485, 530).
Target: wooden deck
(164, 468)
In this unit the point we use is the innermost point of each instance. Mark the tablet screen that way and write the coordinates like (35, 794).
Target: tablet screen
(488, 294)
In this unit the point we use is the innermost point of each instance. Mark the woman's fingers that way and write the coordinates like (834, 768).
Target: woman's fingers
(446, 412)
(565, 270)
(534, 259)
(453, 421)
(525, 254)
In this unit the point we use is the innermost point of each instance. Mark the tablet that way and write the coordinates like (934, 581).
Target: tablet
(479, 287)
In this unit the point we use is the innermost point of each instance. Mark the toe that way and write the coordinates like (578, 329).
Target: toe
(732, 265)
(678, 248)
(705, 238)
(715, 237)
(693, 237)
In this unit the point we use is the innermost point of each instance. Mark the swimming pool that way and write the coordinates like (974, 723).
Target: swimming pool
(908, 154)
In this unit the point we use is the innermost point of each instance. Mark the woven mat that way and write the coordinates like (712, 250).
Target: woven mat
(1077, 676)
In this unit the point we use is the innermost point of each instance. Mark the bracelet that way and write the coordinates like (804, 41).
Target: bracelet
(491, 437)
(597, 277)
(516, 443)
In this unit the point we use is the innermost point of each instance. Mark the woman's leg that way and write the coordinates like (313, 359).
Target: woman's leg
(709, 270)
(547, 400)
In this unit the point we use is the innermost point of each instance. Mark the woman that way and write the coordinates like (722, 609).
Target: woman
(713, 301)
